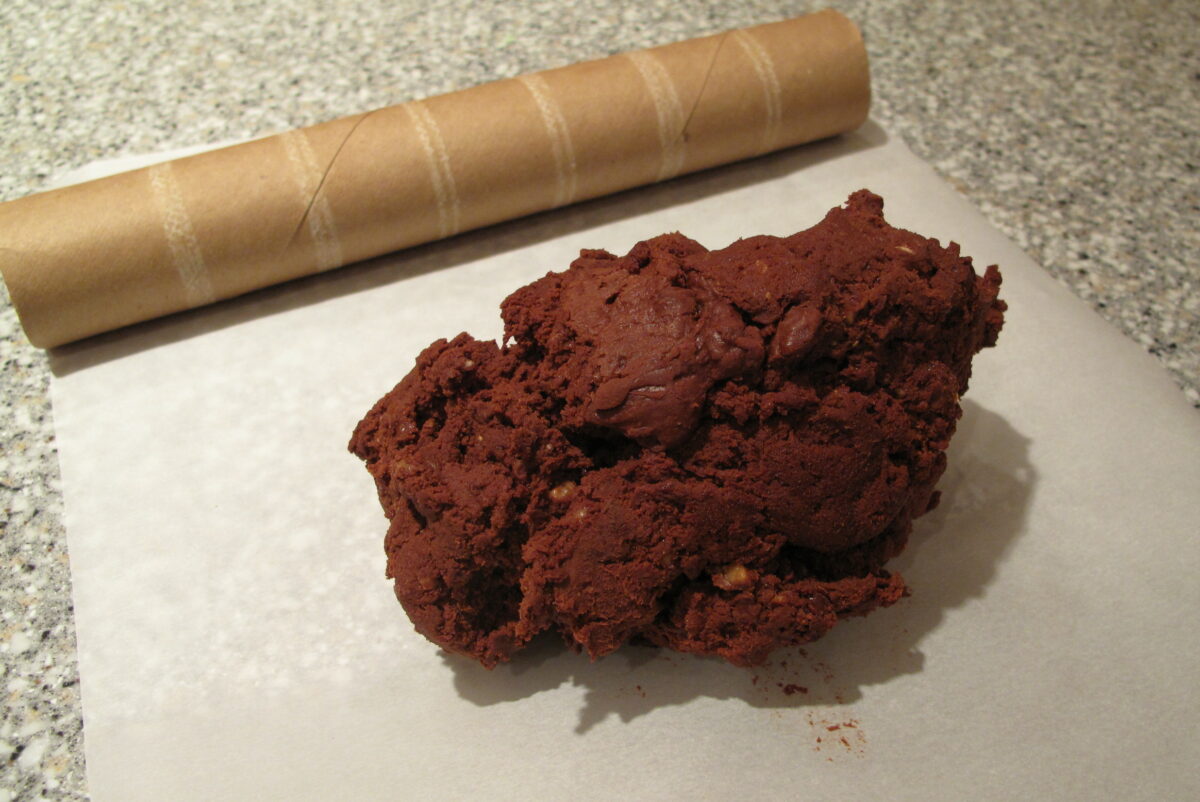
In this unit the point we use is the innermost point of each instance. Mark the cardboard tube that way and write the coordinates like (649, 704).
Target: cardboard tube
(97, 256)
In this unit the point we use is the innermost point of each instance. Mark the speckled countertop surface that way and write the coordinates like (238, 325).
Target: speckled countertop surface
(1072, 126)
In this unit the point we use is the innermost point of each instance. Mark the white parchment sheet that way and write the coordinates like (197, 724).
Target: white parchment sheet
(237, 638)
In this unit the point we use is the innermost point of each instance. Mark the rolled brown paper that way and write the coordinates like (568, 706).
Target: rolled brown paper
(97, 256)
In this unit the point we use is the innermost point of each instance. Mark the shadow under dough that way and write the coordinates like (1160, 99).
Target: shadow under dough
(951, 558)
(462, 249)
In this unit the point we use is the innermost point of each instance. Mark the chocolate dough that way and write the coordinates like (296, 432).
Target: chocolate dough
(711, 451)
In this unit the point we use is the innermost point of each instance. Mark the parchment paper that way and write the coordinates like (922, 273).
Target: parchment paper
(237, 639)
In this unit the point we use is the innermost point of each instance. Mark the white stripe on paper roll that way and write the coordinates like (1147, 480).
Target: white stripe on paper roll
(667, 109)
(181, 239)
(307, 172)
(563, 151)
(764, 68)
(449, 215)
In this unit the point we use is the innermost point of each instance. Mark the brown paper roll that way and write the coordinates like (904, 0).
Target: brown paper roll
(96, 256)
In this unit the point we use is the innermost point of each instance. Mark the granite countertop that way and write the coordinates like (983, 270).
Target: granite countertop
(1071, 127)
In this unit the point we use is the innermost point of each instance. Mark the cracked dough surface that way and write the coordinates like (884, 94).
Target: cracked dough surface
(711, 451)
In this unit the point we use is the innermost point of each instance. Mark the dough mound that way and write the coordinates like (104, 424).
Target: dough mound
(711, 451)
